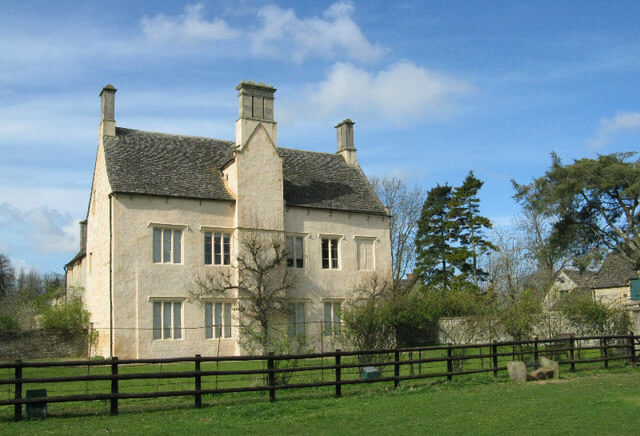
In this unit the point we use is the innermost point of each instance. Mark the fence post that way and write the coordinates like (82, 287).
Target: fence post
(572, 348)
(449, 362)
(114, 386)
(411, 359)
(535, 349)
(632, 348)
(338, 375)
(272, 376)
(420, 363)
(494, 351)
(605, 351)
(396, 369)
(198, 381)
(17, 411)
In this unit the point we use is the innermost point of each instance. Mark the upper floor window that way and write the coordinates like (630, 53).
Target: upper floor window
(296, 316)
(294, 252)
(330, 258)
(217, 248)
(167, 320)
(167, 245)
(217, 320)
(365, 254)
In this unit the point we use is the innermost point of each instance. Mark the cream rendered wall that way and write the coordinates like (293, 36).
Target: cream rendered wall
(76, 274)
(259, 184)
(315, 285)
(137, 280)
(96, 296)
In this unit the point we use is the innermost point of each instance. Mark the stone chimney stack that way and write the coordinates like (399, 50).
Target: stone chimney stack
(345, 142)
(107, 111)
(83, 235)
(255, 107)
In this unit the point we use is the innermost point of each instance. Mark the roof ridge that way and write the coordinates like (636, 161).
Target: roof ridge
(217, 139)
(175, 134)
(308, 151)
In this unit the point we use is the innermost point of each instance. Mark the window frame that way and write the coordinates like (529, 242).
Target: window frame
(332, 324)
(225, 256)
(215, 331)
(297, 258)
(297, 327)
(330, 251)
(359, 240)
(176, 249)
(162, 303)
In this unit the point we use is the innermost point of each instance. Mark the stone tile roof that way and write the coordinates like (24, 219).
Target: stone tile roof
(152, 163)
(140, 162)
(582, 279)
(325, 181)
(616, 271)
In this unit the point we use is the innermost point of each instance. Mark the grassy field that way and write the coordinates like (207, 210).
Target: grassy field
(244, 380)
(589, 401)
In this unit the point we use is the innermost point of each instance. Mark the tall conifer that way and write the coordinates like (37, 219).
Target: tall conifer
(435, 238)
(472, 227)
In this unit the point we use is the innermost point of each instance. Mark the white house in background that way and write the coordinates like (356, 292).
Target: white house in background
(163, 208)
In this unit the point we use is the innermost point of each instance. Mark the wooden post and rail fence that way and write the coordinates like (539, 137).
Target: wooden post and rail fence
(612, 348)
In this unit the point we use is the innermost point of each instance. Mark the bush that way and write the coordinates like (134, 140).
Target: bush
(589, 316)
(66, 319)
(8, 324)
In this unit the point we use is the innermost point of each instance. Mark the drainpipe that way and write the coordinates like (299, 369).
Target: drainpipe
(110, 275)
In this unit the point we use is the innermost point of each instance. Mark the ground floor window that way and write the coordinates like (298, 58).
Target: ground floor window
(296, 315)
(217, 320)
(331, 318)
(167, 320)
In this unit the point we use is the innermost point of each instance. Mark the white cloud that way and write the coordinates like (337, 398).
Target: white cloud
(46, 230)
(623, 122)
(333, 36)
(402, 93)
(190, 26)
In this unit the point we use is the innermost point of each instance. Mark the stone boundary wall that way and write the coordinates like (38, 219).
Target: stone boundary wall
(39, 344)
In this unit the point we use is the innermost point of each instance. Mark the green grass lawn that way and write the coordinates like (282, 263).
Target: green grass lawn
(592, 401)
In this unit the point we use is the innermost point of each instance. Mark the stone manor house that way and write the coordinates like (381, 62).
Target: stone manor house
(164, 208)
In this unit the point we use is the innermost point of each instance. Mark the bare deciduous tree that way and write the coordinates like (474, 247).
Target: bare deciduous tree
(404, 204)
(259, 281)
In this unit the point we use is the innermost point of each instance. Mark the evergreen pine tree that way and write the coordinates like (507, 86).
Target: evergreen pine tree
(472, 242)
(435, 239)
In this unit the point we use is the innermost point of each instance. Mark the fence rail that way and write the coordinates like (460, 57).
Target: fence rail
(612, 348)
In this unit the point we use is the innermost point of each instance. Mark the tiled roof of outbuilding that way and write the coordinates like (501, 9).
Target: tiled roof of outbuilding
(582, 279)
(616, 271)
(152, 163)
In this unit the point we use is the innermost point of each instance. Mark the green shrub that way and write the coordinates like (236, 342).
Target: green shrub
(66, 319)
(8, 324)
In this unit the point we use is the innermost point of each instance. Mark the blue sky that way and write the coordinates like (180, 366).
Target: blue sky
(436, 89)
